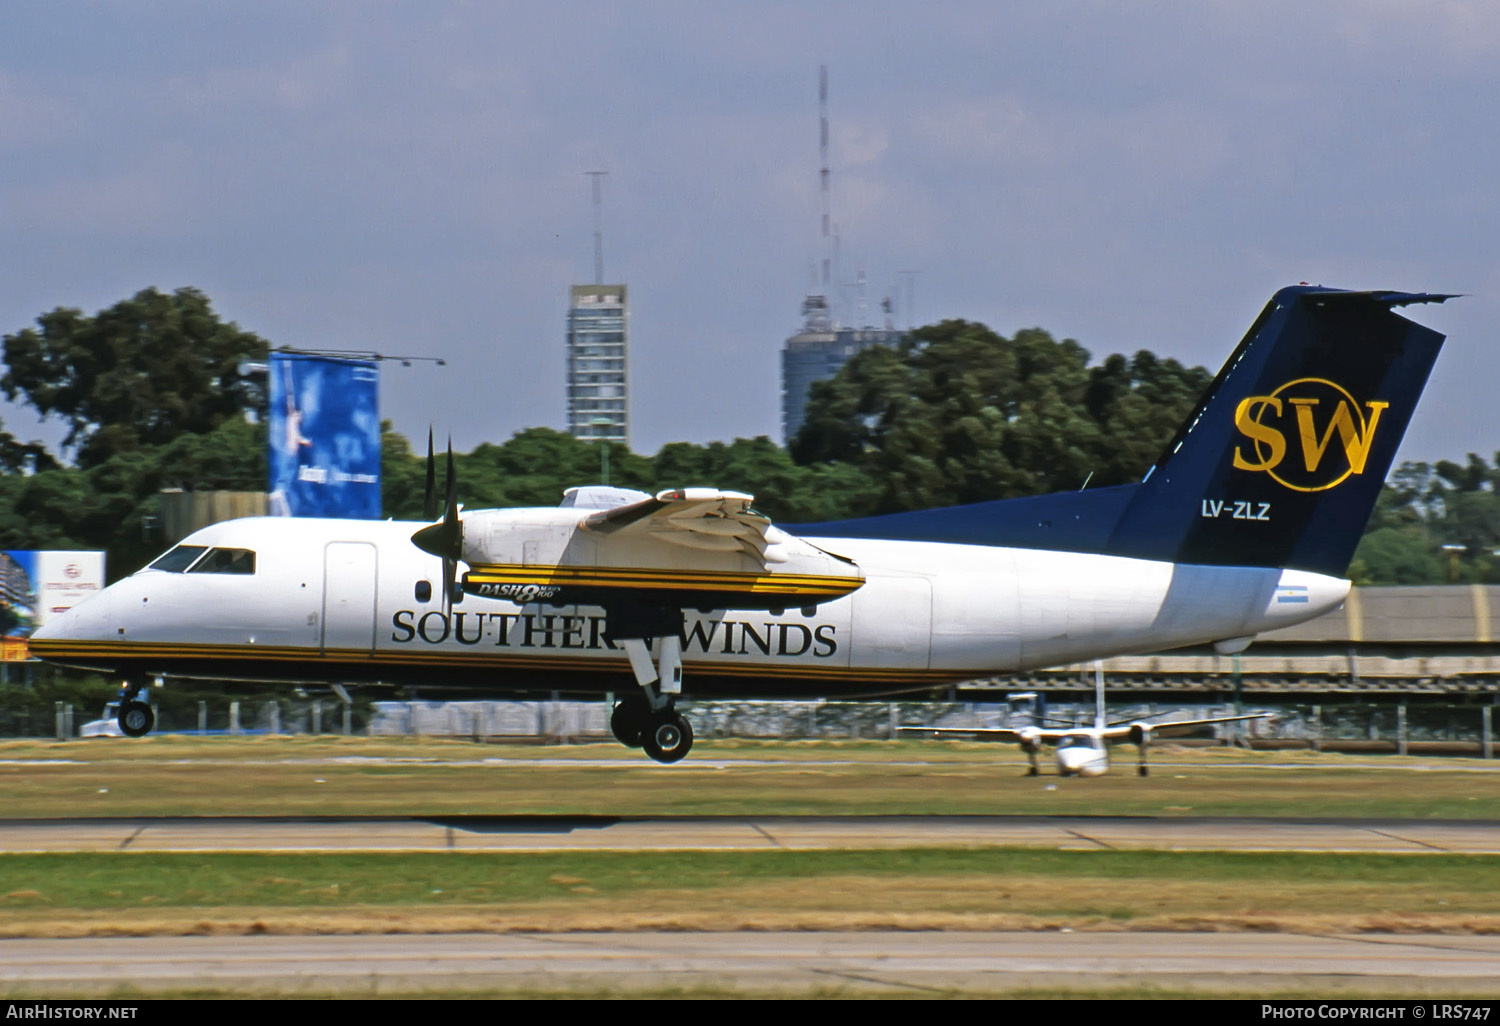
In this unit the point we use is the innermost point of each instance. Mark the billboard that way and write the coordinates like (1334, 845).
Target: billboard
(36, 586)
(324, 436)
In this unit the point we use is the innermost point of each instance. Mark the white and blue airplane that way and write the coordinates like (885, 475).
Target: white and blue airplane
(1245, 524)
(1082, 751)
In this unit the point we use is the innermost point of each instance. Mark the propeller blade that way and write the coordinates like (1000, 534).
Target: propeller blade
(450, 512)
(429, 497)
(445, 539)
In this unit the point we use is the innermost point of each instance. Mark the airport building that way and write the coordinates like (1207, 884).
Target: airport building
(598, 345)
(1403, 640)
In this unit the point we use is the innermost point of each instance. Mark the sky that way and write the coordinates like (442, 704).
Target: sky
(410, 179)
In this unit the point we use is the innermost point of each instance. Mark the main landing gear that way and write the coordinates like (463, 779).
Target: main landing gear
(1031, 750)
(136, 718)
(1141, 735)
(650, 721)
(664, 734)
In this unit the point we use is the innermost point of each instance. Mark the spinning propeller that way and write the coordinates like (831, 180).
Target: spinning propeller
(429, 496)
(444, 539)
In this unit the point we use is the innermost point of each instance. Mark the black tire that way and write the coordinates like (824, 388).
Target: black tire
(668, 739)
(628, 723)
(136, 719)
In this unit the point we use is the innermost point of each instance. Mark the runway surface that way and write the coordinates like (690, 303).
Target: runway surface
(602, 833)
(790, 963)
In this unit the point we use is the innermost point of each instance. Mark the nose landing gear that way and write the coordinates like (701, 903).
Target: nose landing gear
(136, 718)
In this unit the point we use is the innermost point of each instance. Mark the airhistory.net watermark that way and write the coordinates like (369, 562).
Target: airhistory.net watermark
(60, 1010)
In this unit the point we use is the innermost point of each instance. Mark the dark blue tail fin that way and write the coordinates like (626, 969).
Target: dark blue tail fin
(1278, 466)
(1282, 461)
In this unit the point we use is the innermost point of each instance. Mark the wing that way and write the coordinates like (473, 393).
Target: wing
(990, 733)
(699, 548)
(1161, 728)
(696, 518)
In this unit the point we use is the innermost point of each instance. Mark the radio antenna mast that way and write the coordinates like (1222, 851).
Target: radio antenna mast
(824, 175)
(598, 232)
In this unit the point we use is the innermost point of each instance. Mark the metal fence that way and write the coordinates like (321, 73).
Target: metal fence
(1389, 726)
(230, 717)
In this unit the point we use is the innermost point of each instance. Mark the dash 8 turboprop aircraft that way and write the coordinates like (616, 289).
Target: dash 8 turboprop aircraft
(1245, 524)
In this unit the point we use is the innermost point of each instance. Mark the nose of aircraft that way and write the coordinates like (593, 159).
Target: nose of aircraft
(1072, 759)
(87, 621)
(1080, 760)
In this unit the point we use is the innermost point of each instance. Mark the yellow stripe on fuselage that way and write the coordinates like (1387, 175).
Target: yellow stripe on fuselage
(801, 585)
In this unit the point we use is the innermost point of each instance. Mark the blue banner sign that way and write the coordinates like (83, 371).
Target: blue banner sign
(324, 435)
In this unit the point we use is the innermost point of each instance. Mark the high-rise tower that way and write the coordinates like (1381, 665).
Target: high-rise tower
(598, 338)
(598, 343)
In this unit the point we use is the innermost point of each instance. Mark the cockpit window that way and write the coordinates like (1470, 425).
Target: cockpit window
(179, 559)
(226, 561)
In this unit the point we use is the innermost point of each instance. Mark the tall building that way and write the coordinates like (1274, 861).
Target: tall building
(597, 382)
(816, 353)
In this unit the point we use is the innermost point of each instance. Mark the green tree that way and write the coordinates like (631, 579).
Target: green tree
(1434, 524)
(139, 374)
(533, 468)
(111, 505)
(961, 414)
(403, 476)
(17, 456)
(783, 490)
(537, 465)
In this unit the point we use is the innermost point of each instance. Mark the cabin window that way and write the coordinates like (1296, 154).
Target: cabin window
(179, 559)
(424, 591)
(226, 561)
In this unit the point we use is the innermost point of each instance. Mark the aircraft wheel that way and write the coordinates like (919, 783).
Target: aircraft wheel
(668, 739)
(628, 723)
(136, 719)
(1144, 771)
(1032, 771)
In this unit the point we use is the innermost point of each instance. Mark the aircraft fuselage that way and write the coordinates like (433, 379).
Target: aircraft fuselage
(343, 600)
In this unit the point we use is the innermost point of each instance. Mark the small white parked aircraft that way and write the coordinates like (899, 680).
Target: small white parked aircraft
(1246, 524)
(1083, 751)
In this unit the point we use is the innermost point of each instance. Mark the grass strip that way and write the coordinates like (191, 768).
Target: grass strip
(173, 776)
(939, 887)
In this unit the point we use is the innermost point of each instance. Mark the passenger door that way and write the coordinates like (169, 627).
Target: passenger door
(349, 581)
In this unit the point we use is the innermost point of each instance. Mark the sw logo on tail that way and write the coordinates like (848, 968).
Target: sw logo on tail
(1293, 411)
